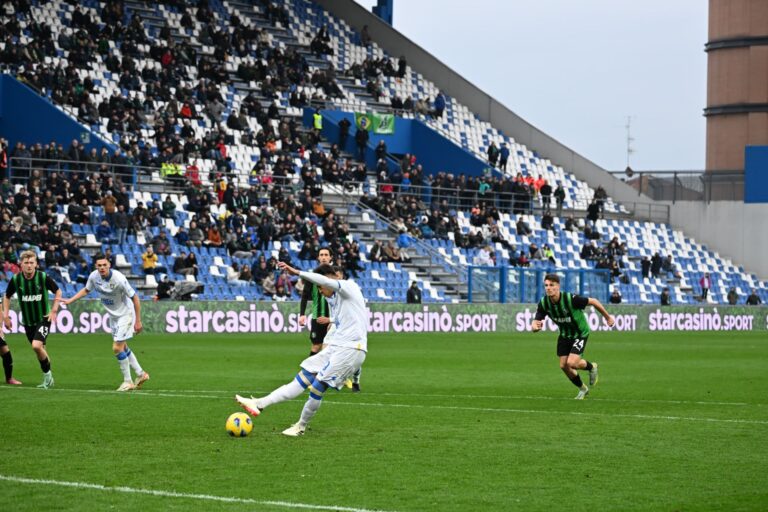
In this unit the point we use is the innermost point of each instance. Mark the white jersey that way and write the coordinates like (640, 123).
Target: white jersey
(116, 293)
(348, 312)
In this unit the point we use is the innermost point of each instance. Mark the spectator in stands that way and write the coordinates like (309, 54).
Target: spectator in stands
(344, 126)
(668, 266)
(169, 208)
(149, 262)
(503, 156)
(391, 253)
(522, 260)
(413, 295)
(196, 235)
(404, 243)
(104, 233)
(483, 258)
(666, 298)
(733, 296)
(549, 254)
(120, 223)
(656, 262)
(182, 265)
(181, 237)
(754, 299)
(260, 270)
(439, 105)
(233, 275)
(645, 267)
(361, 139)
(560, 198)
(214, 236)
(268, 284)
(109, 203)
(376, 253)
(548, 222)
(493, 154)
(161, 244)
(615, 296)
(600, 197)
(588, 250)
(593, 211)
(546, 194)
(706, 283)
(523, 229)
(535, 252)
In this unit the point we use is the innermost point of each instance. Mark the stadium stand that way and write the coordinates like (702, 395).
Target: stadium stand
(215, 90)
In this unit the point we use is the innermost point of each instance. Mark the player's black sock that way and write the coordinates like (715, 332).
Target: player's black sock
(589, 366)
(576, 381)
(45, 365)
(8, 365)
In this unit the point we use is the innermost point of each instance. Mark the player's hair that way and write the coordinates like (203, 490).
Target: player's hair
(100, 256)
(27, 255)
(552, 277)
(326, 270)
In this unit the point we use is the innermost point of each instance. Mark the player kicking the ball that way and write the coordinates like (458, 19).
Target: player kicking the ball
(346, 348)
(567, 311)
(122, 303)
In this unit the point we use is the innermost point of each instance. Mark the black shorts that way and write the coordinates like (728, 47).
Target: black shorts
(38, 332)
(317, 332)
(566, 346)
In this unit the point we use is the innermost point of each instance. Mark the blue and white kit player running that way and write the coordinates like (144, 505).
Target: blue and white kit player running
(345, 351)
(122, 304)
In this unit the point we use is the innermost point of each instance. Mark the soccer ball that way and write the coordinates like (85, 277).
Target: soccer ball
(239, 424)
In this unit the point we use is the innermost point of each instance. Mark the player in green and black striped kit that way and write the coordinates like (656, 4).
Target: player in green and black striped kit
(38, 312)
(567, 311)
(320, 311)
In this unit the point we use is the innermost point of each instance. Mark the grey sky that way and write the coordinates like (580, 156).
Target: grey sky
(577, 68)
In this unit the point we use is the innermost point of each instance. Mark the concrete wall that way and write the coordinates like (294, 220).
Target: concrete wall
(478, 101)
(732, 228)
(27, 117)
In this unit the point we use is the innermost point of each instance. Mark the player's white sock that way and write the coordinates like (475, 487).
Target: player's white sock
(281, 394)
(310, 408)
(133, 362)
(122, 359)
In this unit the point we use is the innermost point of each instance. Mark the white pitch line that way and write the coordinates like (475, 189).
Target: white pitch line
(173, 494)
(209, 393)
(574, 413)
(419, 406)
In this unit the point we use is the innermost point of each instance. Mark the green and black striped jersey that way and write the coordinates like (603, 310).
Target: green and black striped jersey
(567, 313)
(33, 296)
(319, 304)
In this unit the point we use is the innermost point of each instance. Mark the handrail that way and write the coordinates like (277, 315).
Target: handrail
(686, 185)
(431, 251)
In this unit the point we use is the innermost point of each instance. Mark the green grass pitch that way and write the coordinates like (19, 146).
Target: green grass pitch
(445, 422)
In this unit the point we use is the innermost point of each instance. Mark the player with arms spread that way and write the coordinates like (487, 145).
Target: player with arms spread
(567, 311)
(345, 351)
(122, 303)
(37, 314)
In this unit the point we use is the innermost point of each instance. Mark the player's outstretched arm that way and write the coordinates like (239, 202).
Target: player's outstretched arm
(598, 306)
(79, 295)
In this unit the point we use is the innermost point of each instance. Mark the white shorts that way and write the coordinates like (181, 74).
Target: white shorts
(333, 365)
(122, 328)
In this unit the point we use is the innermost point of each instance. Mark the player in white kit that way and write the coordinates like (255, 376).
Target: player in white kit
(122, 303)
(346, 348)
